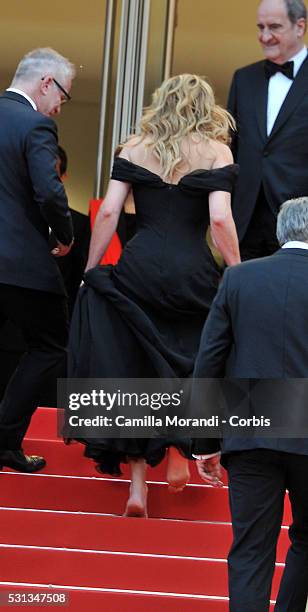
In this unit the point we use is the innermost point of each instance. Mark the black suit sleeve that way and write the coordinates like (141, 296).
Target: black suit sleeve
(217, 337)
(48, 191)
(215, 345)
(232, 108)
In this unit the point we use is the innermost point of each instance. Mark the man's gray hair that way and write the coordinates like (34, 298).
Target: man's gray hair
(292, 221)
(296, 9)
(39, 62)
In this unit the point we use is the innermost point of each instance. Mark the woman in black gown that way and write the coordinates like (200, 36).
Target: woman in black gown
(144, 317)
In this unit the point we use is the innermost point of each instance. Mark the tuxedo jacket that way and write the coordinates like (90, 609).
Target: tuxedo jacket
(258, 329)
(278, 161)
(32, 197)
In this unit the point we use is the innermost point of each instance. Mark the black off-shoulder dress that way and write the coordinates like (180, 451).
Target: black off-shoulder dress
(144, 316)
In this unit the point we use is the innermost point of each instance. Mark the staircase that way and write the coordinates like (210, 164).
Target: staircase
(61, 530)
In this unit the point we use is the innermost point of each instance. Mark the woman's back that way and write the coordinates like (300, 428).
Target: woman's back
(196, 154)
(168, 260)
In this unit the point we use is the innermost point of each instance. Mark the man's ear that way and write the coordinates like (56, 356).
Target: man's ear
(46, 82)
(301, 27)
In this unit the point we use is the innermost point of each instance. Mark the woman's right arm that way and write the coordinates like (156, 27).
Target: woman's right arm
(223, 228)
(106, 221)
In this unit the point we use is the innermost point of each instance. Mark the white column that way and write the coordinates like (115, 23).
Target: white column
(131, 68)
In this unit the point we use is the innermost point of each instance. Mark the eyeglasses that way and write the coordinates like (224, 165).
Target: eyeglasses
(65, 93)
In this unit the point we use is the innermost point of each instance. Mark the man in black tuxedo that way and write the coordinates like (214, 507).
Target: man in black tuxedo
(270, 104)
(32, 200)
(258, 329)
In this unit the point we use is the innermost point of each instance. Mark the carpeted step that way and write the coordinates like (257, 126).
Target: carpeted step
(117, 570)
(97, 532)
(126, 601)
(83, 494)
(69, 460)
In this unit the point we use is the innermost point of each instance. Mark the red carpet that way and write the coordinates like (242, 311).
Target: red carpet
(56, 533)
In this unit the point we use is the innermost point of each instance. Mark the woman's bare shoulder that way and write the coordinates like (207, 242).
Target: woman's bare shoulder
(132, 146)
(223, 154)
(209, 153)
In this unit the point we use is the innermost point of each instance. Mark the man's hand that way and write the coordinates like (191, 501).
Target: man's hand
(210, 470)
(61, 249)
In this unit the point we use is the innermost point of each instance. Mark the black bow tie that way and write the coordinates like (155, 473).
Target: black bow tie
(271, 68)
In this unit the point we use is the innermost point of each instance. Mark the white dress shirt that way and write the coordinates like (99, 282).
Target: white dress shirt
(295, 244)
(22, 93)
(278, 88)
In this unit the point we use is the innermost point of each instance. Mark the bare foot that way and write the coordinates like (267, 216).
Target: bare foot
(137, 504)
(178, 473)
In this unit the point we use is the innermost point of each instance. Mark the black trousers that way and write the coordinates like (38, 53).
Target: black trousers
(260, 238)
(43, 319)
(258, 480)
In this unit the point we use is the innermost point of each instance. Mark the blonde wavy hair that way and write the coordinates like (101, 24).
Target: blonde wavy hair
(182, 105)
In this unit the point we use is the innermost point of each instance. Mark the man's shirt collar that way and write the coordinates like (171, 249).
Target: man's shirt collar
(22, 93)
(295, 244)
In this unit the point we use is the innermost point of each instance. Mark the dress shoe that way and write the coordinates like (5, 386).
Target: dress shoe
(17, 460)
